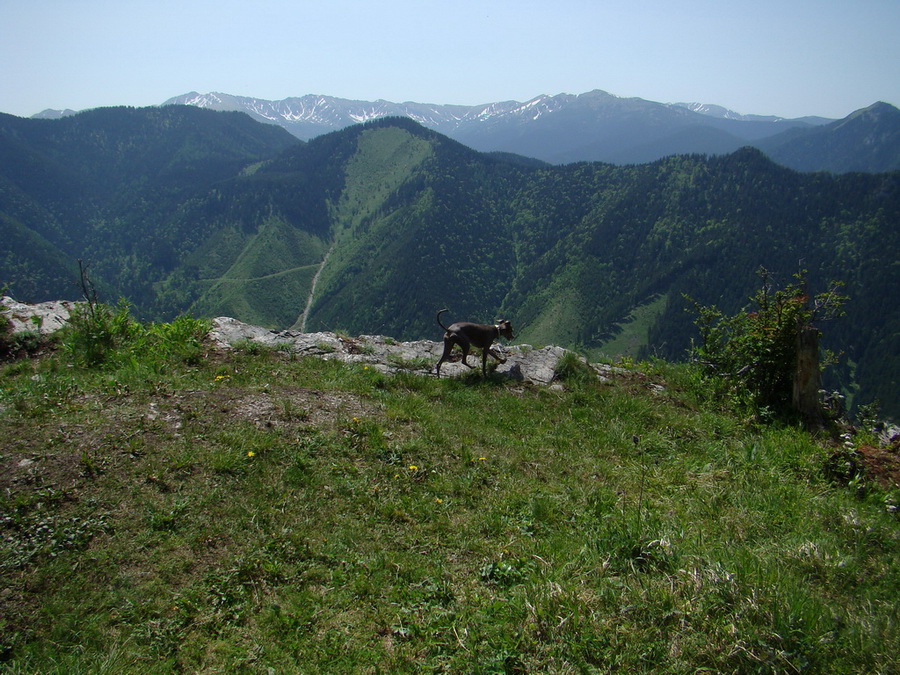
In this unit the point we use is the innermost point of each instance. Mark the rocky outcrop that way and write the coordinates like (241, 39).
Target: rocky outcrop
(524, 363)
(44, 317)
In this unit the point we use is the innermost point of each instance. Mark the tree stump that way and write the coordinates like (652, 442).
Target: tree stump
(807, 376)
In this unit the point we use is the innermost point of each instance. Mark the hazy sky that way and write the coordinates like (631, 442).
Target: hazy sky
(782, 57)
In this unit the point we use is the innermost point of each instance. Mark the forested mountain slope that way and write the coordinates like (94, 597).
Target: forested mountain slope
(90, 185)
(866, 140)
(374, 228)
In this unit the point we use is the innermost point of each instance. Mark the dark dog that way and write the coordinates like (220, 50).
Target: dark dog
(468, 335)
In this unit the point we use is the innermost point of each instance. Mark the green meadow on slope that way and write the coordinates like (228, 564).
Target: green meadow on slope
(169, 507)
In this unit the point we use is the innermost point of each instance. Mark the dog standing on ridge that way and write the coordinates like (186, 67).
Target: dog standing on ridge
(466, 335)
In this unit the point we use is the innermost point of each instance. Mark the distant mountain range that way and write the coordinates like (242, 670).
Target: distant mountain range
(598, 126)
(595, 126)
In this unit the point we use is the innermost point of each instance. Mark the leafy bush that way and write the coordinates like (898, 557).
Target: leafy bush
(754, 353)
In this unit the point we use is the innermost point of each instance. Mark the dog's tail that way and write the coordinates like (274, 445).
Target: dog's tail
(439, 318)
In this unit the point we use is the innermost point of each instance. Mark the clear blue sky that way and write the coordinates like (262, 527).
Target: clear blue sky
(787, 57)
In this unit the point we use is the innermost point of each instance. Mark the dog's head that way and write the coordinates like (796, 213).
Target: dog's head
(504, 327)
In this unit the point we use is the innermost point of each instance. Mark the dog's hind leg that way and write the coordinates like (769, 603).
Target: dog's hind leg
(448, 347)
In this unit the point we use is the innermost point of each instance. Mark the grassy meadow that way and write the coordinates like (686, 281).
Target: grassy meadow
(178, 509)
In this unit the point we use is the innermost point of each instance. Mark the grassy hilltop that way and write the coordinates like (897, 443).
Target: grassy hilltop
(166, 507)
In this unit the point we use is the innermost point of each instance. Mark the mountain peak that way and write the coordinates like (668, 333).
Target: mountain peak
(51, 114)
(879, 113)
(880, 110)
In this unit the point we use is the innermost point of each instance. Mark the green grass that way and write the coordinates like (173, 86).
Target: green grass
(280, 298)
(255, 512)
(558, 308)
(633, 333)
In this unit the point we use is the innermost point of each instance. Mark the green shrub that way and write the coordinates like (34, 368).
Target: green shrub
(99, 335)
(182, 339)
(96, 331)
(754, 353)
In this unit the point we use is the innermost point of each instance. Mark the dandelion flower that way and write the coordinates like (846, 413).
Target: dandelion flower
(413, 467)
(250, 453)
(439, 500)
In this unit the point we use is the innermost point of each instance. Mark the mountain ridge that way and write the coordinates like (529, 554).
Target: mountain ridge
(834, 146)
(416, 221)
(310, 106)
(591, 126)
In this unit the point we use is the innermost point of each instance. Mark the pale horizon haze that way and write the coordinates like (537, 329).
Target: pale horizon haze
(788, 58)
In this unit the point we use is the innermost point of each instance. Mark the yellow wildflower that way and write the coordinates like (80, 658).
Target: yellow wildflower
(250, 453)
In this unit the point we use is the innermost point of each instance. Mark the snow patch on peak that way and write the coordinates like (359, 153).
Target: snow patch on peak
(720, 112)
(367, 115)
(707, 109)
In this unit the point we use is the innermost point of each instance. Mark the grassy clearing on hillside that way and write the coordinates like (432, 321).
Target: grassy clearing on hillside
(250, 512)
(633, 332)
(281, 297)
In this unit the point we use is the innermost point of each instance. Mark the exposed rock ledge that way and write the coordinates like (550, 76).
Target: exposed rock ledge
(44, 317)
(524, 363)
